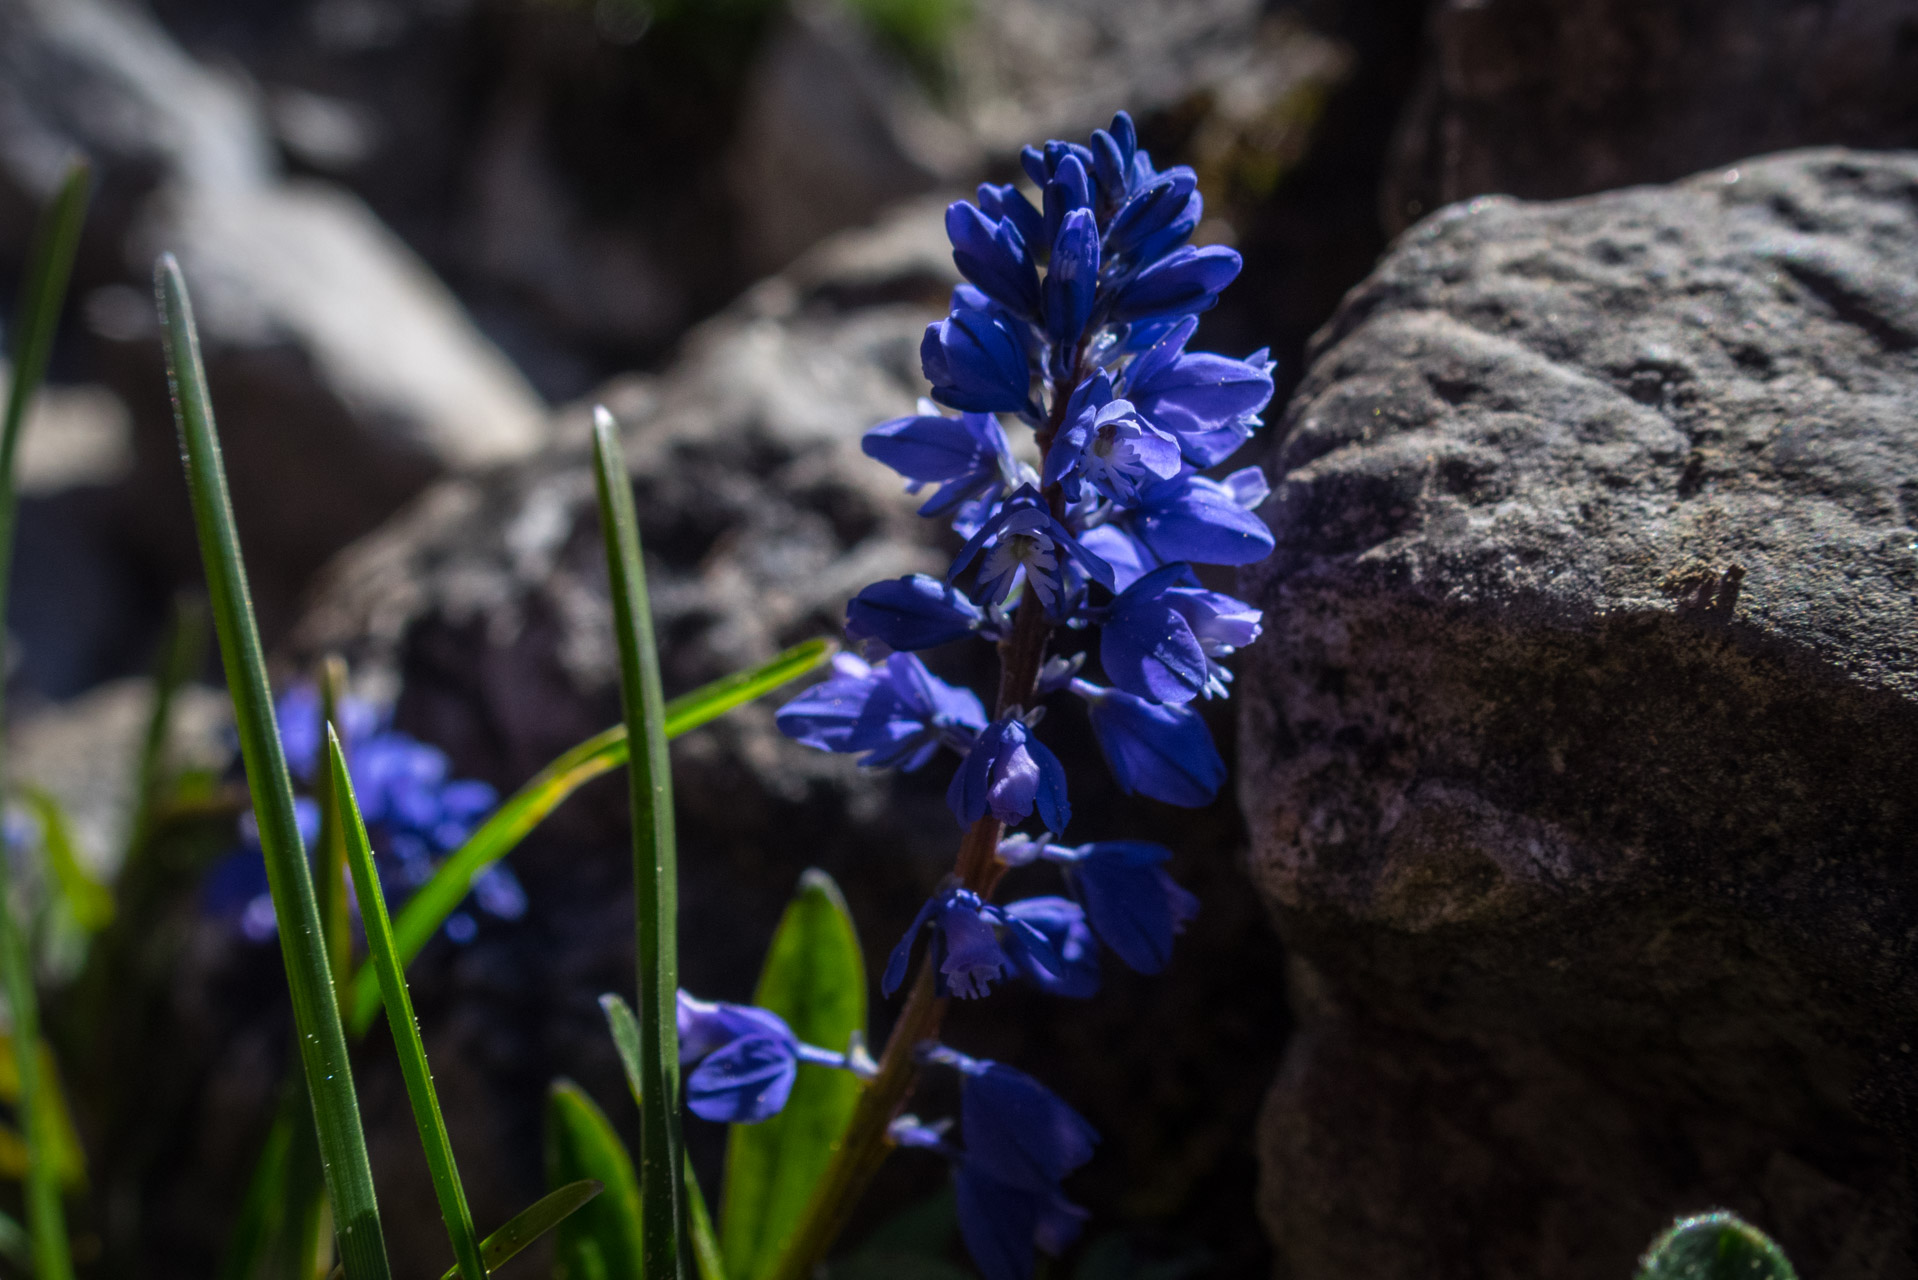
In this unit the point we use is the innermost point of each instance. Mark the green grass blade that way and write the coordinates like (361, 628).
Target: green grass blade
(90, 901)
(182, 656)
(49, 266)
(655, 864)
(336, 912)
(604, 1241)
(532, 1222)
(263, 1207)
(452, 880)
(399, 1015)
(624, 1024)
(814, 978)
(316, 1014)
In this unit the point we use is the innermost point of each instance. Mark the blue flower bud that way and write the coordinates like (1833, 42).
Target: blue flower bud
(897, 712)
(967, 456)
(992, 254)
(1147, 646)
(1071, 282)
(1133, 905)
(976, 363)
(1154, 749)
(1010, 203)
(1009, 772)
(1069, 188)
(1193, 518)
(914, 612)
(1063, 922)
(1183, 282)
(1157, 218)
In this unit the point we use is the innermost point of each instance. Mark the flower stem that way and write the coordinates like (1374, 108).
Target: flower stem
(868, 1141)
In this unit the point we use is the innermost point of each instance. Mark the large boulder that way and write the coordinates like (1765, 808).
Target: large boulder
(1578, 757)
(1553, 98)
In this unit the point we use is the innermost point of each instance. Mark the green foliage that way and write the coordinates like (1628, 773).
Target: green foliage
(529, 1224)
(655, 863)
(316, 1014)
(604, 1240)
(56, 240)
(1714, 1246)
(399, 1015)
(526, 808)
(815, 978)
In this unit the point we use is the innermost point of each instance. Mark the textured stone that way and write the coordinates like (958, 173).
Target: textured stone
(1552, 98)
(1578, 753)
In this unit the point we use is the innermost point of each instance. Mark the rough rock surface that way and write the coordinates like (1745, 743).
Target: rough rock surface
(1553, 98)
(1578, 755)
(346, 376)
(484, 606)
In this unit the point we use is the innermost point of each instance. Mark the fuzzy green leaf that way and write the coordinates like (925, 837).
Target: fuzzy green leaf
(814, 978)
(1714, 1246)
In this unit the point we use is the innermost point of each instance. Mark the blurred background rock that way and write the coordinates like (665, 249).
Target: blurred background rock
(422, 233)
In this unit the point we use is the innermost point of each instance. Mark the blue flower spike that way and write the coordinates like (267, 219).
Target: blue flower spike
(1077, 317)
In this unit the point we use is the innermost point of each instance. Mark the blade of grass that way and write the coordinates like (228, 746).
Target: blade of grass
(532, 1222)
(814, 978)
(56, 240)
(399, 1016)
(90, 901)
(336, 915)
(526, 808)
(655, 864)
(183, 654)
(606, 1241)
(316, 1013)
(624, 1024)
(263, 1208)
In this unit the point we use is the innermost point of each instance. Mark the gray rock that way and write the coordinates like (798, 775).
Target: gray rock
(1578, 753)
(1553, 98)
(346, 376)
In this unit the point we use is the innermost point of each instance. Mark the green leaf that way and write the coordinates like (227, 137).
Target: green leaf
(184, 654)
(604, 1241)
(56, 239)
(63, 1140)
(90, 901)
(441, 895)
(329, 859)
(532, 1222)
(655, 863)
(624, 1024)
(263, 1207)
(814, 978)
(316, 1013)
(1714, 1246)
(399, 1016)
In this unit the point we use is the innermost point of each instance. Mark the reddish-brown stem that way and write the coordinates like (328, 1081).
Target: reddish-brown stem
(867, 1142)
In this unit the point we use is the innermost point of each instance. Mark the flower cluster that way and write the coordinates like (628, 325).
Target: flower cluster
(1074, 319)
(415, 814)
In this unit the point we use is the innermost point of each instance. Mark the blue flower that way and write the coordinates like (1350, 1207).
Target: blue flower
(1108, 445)
(897, 713)
(1210, 403)
(1205, 521)
(966, 456)
(1146, 645)
(748, 1058)
(1063, 922)
(1068, 190)
(977, 362)
(1133, 905)
(991, 252)
(1021, 1141)
(1155, 749)
(967, 950)
(914, 612)
(1009, 772)
(1022, 537)
(1184, 282)
(1163, 635)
